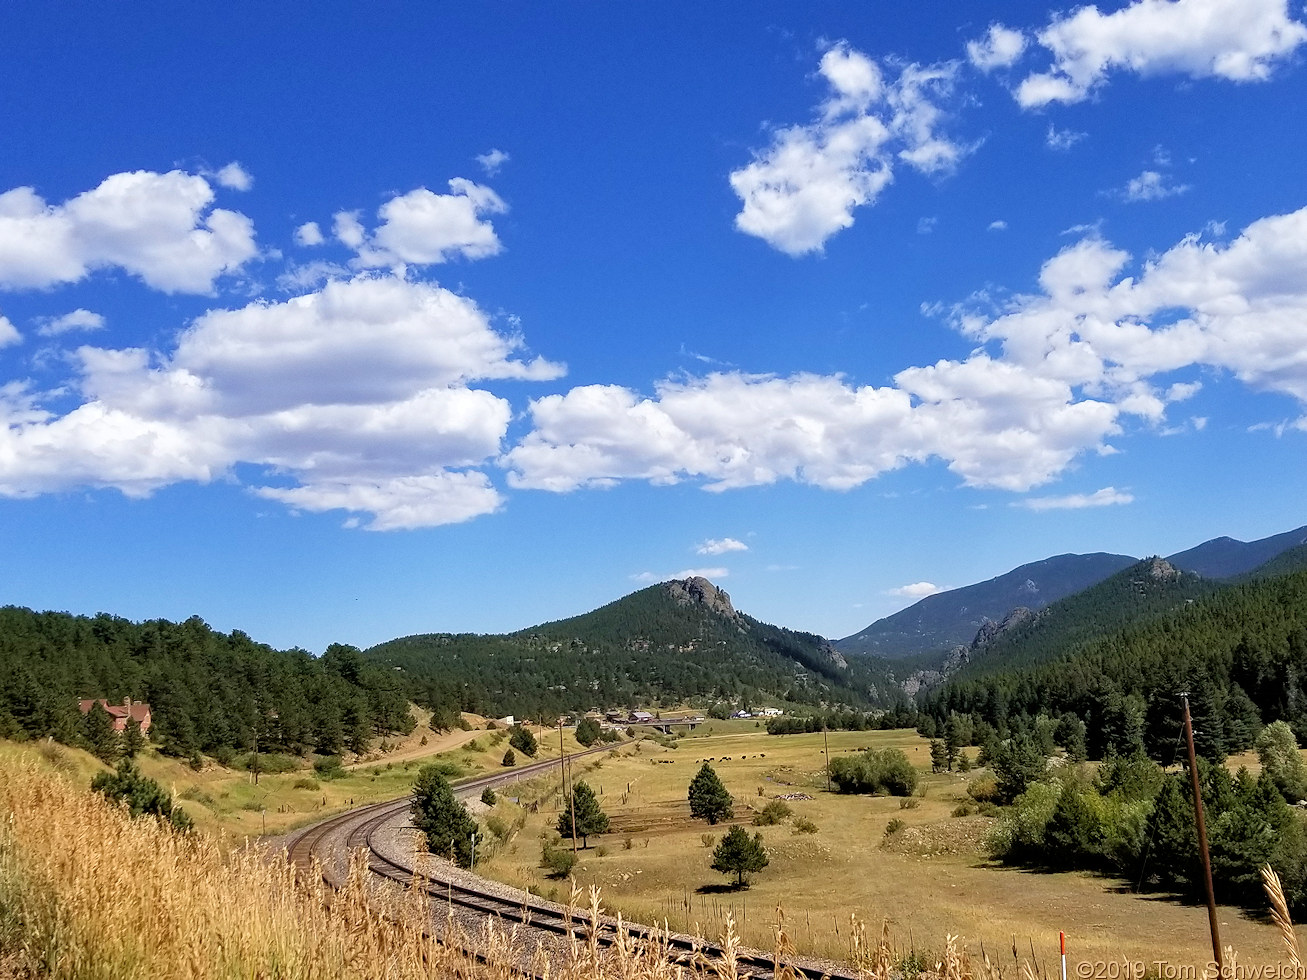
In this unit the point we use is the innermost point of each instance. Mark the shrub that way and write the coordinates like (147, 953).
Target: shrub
(983, 789)
(328, 767)
(875, 771)
(497, 826)
(894, 826)
(708, 840)
(509, 758)
(556, 859)
(268, 762)
(142, 796)
(772, 814)
(305, 783)
(627, 844)
(488, 797)
(909, 803)
(802, 825)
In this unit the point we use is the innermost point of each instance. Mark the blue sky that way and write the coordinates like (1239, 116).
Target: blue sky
(344, 323)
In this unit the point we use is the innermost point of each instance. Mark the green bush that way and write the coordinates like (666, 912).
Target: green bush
(556, 859)
(268, 762)
(328, 767)
(802, 825)
(306, 783)
(773, 813)
(875, 771)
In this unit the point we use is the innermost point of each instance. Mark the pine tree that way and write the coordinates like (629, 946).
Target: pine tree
(584, 814)
(1174, 858)
(939, 761)
(737, 854)
(587, 731)
(1017, 764)
(442, 817)
(709, 799)
(133, 739)
(522, 740)
(509, 758)
(97, 729)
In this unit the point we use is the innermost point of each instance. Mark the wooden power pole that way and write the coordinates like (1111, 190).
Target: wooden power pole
(1202, 840)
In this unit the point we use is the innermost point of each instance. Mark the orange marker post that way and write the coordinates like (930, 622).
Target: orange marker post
(1062, 939)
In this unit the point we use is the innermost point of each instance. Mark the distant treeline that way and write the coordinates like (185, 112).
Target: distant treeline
(899, 716)
(208, 691)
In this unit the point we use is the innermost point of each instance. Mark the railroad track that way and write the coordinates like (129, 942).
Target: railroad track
(360, 829)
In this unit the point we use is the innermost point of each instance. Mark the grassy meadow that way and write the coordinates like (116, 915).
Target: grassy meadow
(929, 878)
(228, 803)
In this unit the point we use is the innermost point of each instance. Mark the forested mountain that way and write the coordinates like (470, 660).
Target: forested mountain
(676, 641)
(1141, 592)
(949, 619)
(208, 691)
(1240, 651)
(1226, 558)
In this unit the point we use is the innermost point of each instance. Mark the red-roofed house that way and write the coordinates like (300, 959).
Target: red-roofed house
(137, 711)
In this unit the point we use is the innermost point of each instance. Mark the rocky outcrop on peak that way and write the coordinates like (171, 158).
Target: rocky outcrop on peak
(990, 629)
(698, 590)
(1161, 570)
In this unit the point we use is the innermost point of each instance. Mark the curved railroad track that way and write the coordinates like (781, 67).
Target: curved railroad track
(330, 842)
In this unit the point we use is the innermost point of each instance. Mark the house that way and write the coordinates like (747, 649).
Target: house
(137, 711)
(640, 717)
(771, 712)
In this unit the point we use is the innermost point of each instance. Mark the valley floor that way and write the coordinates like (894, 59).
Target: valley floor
(928, 879)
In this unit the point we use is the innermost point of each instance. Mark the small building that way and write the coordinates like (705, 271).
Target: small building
(137, 711)
(771, 712)
(641, 717)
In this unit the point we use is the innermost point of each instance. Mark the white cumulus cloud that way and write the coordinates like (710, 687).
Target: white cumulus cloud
(1237, 40)
(359, 396)
(1151, 186)
(805, 186)
(425, 228)
(160, 227)
(309, 234)
(917, 590)
(708, 573)
(1107, 497)
(1001, 47)
(78, 319)
(720, 546)
(492, 160)
(234, 177)
(8, 332)
(1057, 374)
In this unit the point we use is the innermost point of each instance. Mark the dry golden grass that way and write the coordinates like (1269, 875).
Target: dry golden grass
(87, 892)
(929, 880)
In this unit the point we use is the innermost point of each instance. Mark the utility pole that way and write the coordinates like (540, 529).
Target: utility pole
(569, 802)
(826, 741)
(1202, 839)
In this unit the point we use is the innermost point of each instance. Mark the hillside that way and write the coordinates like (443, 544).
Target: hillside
(1143, 591)
(208, 691)
(1226, 557)
(681, 640)
(948, 619)
(1241, 652)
